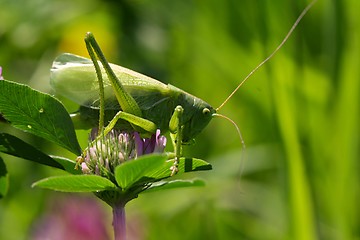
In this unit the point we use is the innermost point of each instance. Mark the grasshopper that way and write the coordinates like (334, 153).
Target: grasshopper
(131, 101)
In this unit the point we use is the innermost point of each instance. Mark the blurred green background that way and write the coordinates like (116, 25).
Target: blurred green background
(299, 114)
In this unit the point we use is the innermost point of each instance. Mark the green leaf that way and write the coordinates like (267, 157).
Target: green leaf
(152, 168)
(76, 183)
(163, 185)
(185, 165)
(16, 147)
(37, 113)
(130, 172)
(67, 164)
(4, 179)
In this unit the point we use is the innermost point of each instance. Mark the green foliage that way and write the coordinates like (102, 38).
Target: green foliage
(162, 185)
(67, 164)
(16, 147)
(136, 175)
(4, 179)
(152, 168)
(76, 183)
(37, 113)
(132, 172)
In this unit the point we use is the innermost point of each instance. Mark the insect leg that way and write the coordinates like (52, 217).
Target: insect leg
(126, 101)
(142, 123)
(175, 128)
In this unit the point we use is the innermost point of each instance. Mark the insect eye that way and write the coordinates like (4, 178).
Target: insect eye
(206, 111)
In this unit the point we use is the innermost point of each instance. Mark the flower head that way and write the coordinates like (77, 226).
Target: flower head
(104, 154)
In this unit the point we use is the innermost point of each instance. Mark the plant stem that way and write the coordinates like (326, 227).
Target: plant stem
(119, 223)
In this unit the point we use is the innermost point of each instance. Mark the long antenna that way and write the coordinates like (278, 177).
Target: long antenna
(243, 147)
(271, 55)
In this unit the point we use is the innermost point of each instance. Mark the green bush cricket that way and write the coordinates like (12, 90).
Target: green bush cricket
(131, 101)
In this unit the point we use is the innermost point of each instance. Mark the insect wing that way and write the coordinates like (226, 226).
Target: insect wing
(74, 77)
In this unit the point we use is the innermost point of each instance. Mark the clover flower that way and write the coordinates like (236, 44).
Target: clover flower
(103, 155)
(155, 144)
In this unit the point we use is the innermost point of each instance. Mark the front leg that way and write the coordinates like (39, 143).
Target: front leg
(175, 128)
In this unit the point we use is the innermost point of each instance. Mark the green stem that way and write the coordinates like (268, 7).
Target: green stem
(119, 223)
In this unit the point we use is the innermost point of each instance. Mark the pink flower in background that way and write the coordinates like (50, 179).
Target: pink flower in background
(1, 77)
(72, 218)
